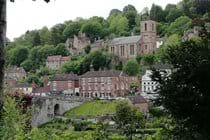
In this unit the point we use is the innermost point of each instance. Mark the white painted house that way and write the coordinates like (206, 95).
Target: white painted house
(149, 87)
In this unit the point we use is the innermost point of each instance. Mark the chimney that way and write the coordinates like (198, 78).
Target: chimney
(45, 80)
(34, 85)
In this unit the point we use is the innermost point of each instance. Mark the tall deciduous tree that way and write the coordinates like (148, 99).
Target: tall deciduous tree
(3, 42)
(185, 93)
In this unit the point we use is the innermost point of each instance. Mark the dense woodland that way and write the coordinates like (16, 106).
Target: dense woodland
(185, 94)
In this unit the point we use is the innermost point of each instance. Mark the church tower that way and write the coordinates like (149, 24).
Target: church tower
(148, 37)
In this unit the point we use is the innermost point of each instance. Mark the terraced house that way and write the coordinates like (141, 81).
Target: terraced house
(106, 83)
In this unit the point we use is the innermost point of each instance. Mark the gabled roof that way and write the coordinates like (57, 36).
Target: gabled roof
(104, 73)
(45, 89)
(65, 77)
(15, 69)
(137, 99)
(57, 58)
(125, 40)
(22, 85)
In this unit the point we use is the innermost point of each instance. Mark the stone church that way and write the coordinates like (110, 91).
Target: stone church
(129, 47)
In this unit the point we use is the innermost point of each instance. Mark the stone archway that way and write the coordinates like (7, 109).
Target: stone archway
(56, 109)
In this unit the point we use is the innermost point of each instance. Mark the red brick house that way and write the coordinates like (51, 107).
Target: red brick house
(64, 82)
(108, 83)
(55, 61)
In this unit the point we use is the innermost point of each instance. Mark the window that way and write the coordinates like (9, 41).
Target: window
(131, 49)
(145, 47)
(112, 49)
(145, 26)
(153, 27)
(122, 50)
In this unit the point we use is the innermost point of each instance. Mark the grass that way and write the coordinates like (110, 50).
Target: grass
(93, 109)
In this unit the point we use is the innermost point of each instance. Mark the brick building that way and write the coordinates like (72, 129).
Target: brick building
(108, 83)
(64, 82)
(128, 47)
(54, 62)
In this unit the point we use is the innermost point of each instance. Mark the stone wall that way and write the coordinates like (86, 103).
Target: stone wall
(45, 109)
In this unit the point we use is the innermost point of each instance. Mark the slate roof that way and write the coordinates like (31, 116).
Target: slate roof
(137, 99)
(125, 40)
(104, 73)
(57, 58)
(65, 77)
(15, 70)
(21, 85)
(42, 89)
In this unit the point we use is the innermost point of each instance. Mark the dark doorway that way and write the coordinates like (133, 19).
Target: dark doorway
(56, 109)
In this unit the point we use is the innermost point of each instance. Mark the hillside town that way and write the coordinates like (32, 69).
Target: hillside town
(133, 75)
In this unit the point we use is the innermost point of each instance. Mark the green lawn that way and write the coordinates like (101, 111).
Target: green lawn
(93, 109)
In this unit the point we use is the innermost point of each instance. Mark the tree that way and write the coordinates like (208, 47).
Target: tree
(57, 34)
(185, 93)
(18, 55)
(130, 13)
(157, 13)
(180, 25)
(148, 59)
(118, 24)
(27, 65)
(3, 42)
(61, 50)
(128, 119)
(45, 36)
(131, 67)
(13, 121)
(114, 12)
(93, 29)
(72, 29)
(87, 49)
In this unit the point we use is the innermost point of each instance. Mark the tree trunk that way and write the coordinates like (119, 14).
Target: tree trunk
(2, 45)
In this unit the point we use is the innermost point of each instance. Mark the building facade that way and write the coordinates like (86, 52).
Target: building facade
(80, 42)
(107, 83)
(150, 87)
(15, 73)
(55, 62)
(64, 83)
(128, 47)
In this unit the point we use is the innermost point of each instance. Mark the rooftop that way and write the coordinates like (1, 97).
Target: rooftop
(103, 73)
(137, 99)
(125, 40)
(65, 77)
(57, 58)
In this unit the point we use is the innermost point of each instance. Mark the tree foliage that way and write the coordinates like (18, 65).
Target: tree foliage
(131, 67)
(185, 93)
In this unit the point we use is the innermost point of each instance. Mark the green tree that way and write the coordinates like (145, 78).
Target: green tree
(93, 29)
(61, 50)
(128, 119)
(185, 93)
(27, 65)
(180, 25)
(131, 67)
(114, 12)
(87, 49)
(157, 13)
(57, 34)
(45, 36)
(72, 29)
(18, 55)
(130, 13)
(13, 121)
(118, 24)
(148, 59)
